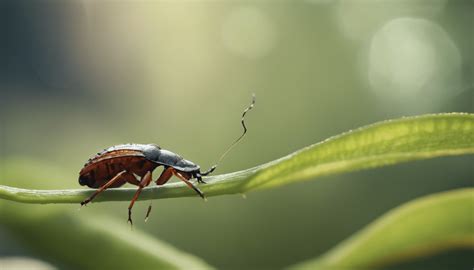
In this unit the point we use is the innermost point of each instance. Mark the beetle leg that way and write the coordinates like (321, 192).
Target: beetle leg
(148, 211)
(104, 187)
(131, 179)
(143, 183)
(199, 178)
(185, 180)
(165, 176)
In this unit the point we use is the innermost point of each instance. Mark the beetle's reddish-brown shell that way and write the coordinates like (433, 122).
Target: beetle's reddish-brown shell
(107, 164)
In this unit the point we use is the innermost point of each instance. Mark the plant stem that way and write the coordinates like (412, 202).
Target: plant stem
(381, 144)
(216, 185)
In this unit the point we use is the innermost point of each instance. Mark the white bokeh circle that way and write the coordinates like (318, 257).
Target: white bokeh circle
(409, 58)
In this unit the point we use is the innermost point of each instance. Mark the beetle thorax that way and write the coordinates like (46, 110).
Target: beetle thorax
(171, 159)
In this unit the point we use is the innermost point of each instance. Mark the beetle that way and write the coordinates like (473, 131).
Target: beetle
(135, 163)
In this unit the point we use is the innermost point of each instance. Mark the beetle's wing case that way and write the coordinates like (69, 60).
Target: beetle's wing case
(113, 160)
(120, 150)
(130, 146)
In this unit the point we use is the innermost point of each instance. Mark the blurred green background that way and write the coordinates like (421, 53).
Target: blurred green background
(79, 76)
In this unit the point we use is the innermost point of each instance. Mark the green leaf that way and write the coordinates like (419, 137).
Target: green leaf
(421, 227)
(73, 242)
(380, 144)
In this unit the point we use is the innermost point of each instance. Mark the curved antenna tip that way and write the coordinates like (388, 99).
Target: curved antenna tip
(238, 139)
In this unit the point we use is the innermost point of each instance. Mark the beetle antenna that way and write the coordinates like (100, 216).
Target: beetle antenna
(236, 141)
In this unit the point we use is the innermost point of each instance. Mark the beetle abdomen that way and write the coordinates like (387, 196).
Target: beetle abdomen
(103, 167)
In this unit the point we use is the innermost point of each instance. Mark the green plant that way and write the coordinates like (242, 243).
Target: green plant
(381, 144)
(418, 228)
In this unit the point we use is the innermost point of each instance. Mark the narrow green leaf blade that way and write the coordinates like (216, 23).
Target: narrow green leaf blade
(73, 242)
(380, 144)
(423, 226)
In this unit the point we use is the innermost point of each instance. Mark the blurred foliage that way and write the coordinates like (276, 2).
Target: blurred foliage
(75, 242)
(420, 227)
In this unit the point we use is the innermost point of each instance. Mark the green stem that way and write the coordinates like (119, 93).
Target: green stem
(381, 144)
(216, 185)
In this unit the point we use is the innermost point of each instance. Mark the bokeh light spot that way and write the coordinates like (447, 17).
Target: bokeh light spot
(411, 57)
(359, 19)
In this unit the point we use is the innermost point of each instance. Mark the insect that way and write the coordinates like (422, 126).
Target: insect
(135, 163)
